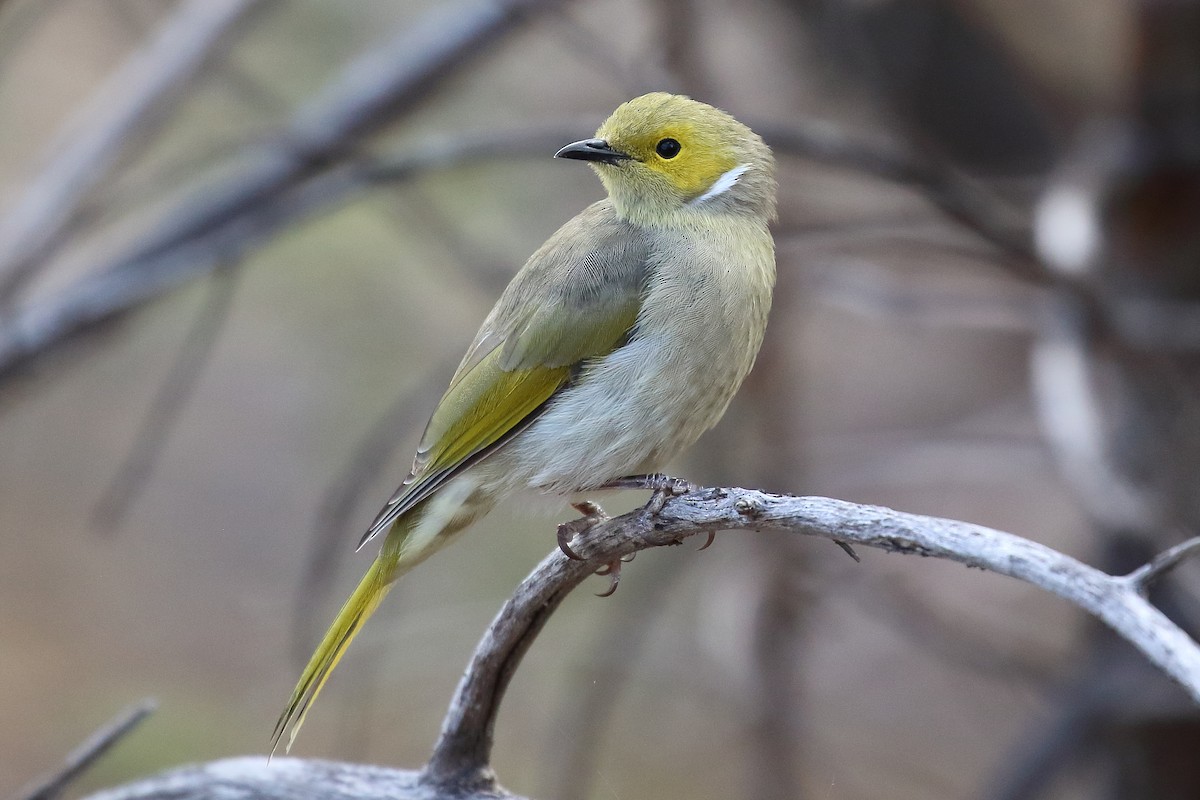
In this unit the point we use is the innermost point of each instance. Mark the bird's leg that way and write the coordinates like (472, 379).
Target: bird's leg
(663, 487)
(655, 482)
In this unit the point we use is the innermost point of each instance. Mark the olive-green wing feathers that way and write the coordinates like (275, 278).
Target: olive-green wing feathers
(576, 299)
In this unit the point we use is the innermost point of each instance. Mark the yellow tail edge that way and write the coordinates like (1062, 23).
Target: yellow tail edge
(362, 603)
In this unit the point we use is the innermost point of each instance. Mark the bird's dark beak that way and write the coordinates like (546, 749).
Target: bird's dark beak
(592, 150)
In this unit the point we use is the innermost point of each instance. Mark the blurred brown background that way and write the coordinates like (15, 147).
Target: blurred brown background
(221, 330)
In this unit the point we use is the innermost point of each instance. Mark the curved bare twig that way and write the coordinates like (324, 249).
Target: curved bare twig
(463, 749)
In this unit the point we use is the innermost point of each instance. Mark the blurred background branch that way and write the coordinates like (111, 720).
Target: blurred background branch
(125, 108)
(82, 757)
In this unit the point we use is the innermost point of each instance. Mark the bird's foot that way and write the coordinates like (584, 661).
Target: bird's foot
(592, 514)
(663, 488)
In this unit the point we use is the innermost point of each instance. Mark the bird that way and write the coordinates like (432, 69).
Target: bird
(622, 339)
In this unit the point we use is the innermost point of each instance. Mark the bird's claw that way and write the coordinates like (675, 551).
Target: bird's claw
(566, 532)
(708, 542)
(613, 571)
(592, 514)
(614, 567)
(656, 502)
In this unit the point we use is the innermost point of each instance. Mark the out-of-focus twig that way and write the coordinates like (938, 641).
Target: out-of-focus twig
(301, 172)
(868, 289)
(634, 78)
(374, 89)
(1039, 755)
(124, 285)
(1164, 562)
(678, 24)
(130, 479)
(914, 616)
(591, 699)
(776, 706)
(18, 21)
(89, 752)
(126, 106)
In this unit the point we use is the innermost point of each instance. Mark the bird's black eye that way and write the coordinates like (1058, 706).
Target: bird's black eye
(667, 148)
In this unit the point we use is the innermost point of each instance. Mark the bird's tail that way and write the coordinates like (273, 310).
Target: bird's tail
(374, 586)
(416, 535)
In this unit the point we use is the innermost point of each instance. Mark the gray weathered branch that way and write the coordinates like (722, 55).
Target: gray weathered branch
(459, 766)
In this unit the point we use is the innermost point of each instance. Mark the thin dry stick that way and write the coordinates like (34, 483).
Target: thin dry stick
(176, 388)
(87, 753)
(1142, 577)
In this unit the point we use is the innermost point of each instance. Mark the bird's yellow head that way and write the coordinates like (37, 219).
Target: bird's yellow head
(664, 157)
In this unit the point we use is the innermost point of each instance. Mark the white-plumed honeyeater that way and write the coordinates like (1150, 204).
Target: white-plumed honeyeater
(621, 340)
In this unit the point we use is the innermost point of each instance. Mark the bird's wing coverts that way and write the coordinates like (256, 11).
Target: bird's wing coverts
(577, 298)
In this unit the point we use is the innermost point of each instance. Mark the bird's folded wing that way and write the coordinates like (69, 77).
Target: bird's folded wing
(588, 281)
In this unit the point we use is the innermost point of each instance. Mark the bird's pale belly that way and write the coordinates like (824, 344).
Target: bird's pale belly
(621, 417)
